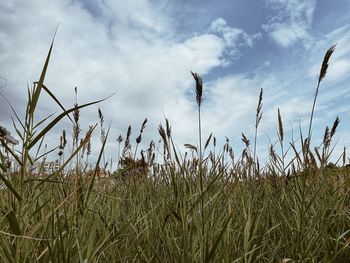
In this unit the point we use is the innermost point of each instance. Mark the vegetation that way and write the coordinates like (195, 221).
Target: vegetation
(207, 207)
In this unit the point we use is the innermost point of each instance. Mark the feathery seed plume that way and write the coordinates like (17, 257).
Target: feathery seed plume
(325, 62)
(199, 88)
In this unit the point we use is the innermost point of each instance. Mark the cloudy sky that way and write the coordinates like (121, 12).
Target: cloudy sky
(144, 50)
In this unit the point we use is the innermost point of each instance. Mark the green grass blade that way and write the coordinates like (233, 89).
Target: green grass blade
(13, 109)
(13, 223)
(37, 89)
(57, 119)
(43, 120)
(45, 153)
(218, 239)
(10, 187)
(54, 98)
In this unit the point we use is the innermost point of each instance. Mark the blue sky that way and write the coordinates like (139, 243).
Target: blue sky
(144, 51)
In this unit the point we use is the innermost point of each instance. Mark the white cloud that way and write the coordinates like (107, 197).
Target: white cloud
(293, 110)
(285, 34)
(291, 20)
(234, 37)
(340, 70)
(133, 54)
(232, 101)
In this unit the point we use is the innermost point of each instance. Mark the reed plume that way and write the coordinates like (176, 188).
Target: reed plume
(257, 120)
(323, 72)
(163, 135)
(199, 100)
(127, 145)
(280, 126)
(198, 88)
(325, 63)
(119, 141)
(139, 138)
(335, 126)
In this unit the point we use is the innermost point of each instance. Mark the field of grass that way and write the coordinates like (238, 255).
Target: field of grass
(207, 207)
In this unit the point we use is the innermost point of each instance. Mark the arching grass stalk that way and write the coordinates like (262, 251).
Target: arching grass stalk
(323, 73)
(199, 100)
(257, 121)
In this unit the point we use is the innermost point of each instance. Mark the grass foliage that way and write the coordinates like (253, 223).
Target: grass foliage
(207, 207)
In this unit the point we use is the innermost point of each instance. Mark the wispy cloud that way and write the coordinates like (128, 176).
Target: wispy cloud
(234, 37)
(290, 20)
(135, 57)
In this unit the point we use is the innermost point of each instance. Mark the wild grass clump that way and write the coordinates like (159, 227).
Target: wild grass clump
(207, 205)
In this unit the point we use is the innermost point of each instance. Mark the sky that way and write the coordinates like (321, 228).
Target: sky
(143, 52)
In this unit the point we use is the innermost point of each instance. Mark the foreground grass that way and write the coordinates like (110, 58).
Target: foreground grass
(307, 220)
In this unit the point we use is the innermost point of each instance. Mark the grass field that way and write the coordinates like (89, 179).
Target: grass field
(208, 207)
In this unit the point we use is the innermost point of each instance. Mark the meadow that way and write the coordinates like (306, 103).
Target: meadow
(207, 206)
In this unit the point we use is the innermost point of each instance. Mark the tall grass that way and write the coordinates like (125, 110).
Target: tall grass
(207, 207)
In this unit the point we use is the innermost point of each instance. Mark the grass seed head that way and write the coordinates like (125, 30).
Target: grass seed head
(127, 141)
(100, 115)
(326, 136)
(76, 126)
(143, 126)
(259, 107)
(325, 62)
(199, 88)
(208, 141)
(163, 134)
(168, 128)
(119, 139)
(335, 125)
(245, 140)
(280, 125)
(138, 139)
(64, 138)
